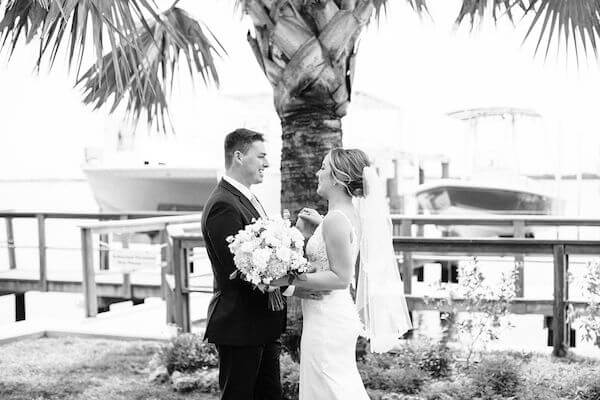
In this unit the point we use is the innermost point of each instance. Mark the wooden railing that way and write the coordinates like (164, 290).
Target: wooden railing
(42, 216)
(559, 250)
(158, 225)
(403, 226)
(182, 246)
(22, 284)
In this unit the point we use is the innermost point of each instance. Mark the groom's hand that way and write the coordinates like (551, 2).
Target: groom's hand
(310, 294)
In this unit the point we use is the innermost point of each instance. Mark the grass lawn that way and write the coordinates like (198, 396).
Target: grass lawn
(82, 369)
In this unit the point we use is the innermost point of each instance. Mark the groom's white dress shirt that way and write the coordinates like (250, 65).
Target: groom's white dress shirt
(249, 195)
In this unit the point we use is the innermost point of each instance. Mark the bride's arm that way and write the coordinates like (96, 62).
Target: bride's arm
(337, 235)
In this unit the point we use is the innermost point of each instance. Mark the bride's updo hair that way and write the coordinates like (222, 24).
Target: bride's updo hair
(347, 169)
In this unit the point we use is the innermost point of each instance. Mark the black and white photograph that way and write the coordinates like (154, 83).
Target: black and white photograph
(299, 200)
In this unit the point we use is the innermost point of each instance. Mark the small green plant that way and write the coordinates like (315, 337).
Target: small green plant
(290, 339)
(290, 377)
(407, 380)
(589, 319)
(436, 361)
(186, 353)
(485, 306)
(459, 389)
(496, 376)
(591, 391)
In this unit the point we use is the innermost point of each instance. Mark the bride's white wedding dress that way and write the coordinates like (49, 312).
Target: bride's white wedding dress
(331, 326)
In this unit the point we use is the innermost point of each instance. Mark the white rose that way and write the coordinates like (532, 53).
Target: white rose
(284, 254)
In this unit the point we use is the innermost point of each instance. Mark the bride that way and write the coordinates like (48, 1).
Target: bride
(332, 325)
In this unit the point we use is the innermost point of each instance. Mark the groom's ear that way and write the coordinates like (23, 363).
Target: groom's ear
(237, 156)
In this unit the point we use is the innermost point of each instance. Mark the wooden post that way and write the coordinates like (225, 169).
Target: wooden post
(407, 261)
(445, 169)
(166, 269)
(182, 309)
(19, 306)
(42, 252)
(124, 236)
(10, 243)
(104, 252)
(560, 283)
(88, 278)
(127, 293)
(421, 228)
(519, 232)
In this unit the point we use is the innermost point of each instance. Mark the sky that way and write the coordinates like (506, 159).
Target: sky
(421, 66)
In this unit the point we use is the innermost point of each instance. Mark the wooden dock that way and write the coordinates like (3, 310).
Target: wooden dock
(174, 281)
(100, 284)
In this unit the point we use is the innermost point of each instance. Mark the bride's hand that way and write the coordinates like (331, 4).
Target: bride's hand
(283, 281)
(304, 228)
(310, 215)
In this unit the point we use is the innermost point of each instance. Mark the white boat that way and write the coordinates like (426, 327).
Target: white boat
(150, 188)
(453, 197)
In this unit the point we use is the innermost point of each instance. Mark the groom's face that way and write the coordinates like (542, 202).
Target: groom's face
(254, 162)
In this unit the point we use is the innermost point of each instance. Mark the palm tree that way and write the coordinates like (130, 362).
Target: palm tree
(306, 49)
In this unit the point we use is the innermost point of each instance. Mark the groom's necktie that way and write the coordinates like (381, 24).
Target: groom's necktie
(258, 206)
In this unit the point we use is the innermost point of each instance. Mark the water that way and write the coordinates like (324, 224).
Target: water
(64, 253)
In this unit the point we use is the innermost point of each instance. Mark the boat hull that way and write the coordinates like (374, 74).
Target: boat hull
(150, 189)
(476, 200)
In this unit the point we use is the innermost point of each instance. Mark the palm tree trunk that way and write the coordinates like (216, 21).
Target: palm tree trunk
(307, 51)
(306, 138)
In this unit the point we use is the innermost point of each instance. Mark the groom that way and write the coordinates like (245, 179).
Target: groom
(239, 321)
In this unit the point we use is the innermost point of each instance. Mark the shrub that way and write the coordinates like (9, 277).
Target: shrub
(591, 391)
(460, 389)
(497, 376)
(406, 380)
(487, 306)
(187, 353)
(431, 358)
(435, 361)
(290, 339)
(362, 345)
(290, 377)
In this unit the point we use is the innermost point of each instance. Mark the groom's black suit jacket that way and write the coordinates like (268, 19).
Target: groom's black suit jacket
(238, 313)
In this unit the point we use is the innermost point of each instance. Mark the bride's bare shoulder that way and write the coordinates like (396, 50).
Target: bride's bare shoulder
(336, 225)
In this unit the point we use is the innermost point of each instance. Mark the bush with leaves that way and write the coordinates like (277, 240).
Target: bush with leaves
(187, 352)
(485, 305)
(394, 378)
(459, 389)
(589, 319)
(436, 361)
(290, 377)
(591, 391)
(496, 376)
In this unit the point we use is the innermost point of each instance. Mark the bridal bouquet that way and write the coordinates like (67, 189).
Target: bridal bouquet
(265, 250)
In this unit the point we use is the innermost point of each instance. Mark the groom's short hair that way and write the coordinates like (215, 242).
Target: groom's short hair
(240, 140)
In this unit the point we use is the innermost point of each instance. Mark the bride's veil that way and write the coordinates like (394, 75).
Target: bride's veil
(380, 292)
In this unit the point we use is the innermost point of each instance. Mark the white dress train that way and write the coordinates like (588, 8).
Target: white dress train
(331, 326)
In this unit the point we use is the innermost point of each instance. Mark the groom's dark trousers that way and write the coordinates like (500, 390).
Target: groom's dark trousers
(239, 322)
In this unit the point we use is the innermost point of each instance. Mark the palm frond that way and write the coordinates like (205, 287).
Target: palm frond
(144, 76)
(576, 19)
(21, 17)
(420, 6)
(477, 9)
(108, 20)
